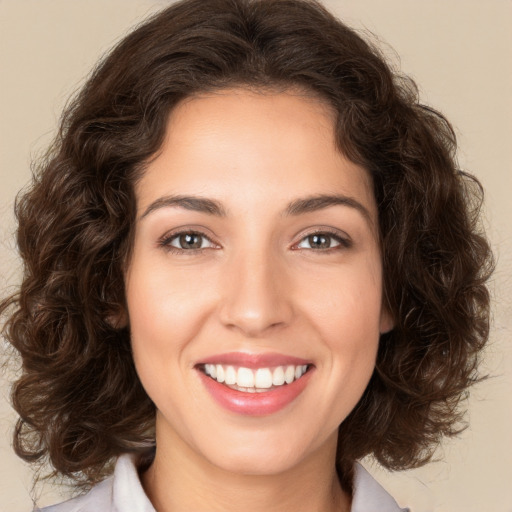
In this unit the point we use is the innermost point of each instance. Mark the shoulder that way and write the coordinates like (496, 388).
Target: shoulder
(122, 492)
(370, 496)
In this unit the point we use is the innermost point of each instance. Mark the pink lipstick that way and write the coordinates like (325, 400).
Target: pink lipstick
(254, 384)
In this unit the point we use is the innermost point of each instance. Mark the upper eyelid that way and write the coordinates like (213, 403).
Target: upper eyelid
(336, 233)
(173, 233)
(344, 240)
(169, 237)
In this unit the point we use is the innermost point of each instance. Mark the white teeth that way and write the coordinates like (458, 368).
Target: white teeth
(300, 371)
(245, 378)
(230, 375)
(278, 376)
(263, 378)
(211, 370)
(289, 374)
(251, 381)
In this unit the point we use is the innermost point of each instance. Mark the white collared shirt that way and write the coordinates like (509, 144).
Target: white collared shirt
(123, 492)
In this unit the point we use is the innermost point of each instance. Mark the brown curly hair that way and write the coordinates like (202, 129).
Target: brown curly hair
(79, 399)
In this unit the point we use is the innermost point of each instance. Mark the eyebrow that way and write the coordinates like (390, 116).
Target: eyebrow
(321, 201)
(193, 203)
(297, 207)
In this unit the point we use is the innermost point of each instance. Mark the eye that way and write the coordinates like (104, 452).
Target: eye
(186, 241)
(323, 241)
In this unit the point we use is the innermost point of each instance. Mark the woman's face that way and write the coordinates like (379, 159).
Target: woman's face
(254, 289)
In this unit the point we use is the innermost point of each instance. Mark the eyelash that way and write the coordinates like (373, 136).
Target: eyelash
(165, 242)
(343, 241)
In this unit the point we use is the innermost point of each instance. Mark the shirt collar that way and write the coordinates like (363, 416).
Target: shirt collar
(370, 496)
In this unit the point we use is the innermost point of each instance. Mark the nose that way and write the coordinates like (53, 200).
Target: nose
(256, 296)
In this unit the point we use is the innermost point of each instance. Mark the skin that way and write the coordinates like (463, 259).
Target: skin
(258, 285)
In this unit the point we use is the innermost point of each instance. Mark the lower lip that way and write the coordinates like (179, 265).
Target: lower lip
(255, 404)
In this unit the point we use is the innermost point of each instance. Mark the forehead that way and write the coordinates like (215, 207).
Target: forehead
(242, 146)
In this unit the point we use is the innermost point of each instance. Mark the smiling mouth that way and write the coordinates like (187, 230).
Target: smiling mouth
(258, 380)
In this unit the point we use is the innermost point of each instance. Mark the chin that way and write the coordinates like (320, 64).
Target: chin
(257, 464)
(262, 454)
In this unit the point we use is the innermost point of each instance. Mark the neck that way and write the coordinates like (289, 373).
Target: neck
(179, 480)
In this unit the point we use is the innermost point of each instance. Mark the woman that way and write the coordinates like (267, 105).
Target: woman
(239, 270)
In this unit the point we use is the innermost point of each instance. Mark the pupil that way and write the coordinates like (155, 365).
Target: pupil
(190, 241)
(319, 241)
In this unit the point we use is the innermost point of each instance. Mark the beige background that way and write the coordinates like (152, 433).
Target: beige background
(459, 51)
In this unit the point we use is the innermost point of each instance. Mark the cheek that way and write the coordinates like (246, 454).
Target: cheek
(346, 312)
(164, 306)
(164, 315)
(352, 335)
(346, 302)
(156, 319)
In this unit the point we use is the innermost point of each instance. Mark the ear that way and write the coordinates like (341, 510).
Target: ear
(387, 322)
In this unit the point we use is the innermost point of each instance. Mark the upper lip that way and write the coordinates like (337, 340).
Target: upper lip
(254, 361)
